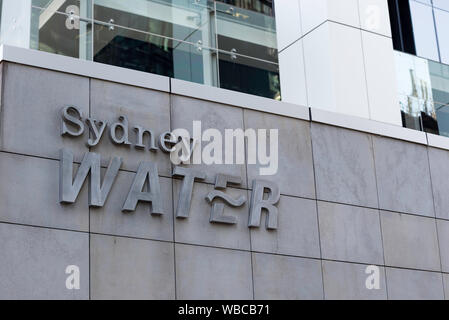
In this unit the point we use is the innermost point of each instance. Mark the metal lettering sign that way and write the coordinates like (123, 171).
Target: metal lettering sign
(146, 186)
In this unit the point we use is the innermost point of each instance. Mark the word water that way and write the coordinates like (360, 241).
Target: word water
(146, 188)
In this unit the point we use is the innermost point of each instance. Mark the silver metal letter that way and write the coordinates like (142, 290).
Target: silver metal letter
(147, 172)
(140, 133)
(69, 189)
(258, 203)
(123, 125)
(72, 120)
(165, 139)
(216, 213)
(185, 195)
(97, 132)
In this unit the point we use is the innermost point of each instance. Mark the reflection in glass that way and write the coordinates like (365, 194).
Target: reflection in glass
(423, 93)
(439, 74)
(415, 93)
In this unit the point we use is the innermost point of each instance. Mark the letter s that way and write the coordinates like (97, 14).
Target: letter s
(74, 121)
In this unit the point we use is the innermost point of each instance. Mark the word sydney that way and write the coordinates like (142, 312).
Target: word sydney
(202, 147)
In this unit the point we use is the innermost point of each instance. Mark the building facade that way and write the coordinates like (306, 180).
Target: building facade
(353, 94)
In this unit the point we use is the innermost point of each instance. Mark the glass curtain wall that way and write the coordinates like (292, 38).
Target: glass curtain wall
(421, 28)
(229, 44)
(420, 31)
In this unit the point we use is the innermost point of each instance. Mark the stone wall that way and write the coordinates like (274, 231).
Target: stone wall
(349, 200)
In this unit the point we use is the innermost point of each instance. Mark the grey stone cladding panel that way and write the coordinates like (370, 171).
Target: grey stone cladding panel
(439, 170)
(350, 234)
(403, 177)
(443, 241)
(344, 166)
(34, 262)
(347, 281)
(31, 110)
(211, 273)
(295, 165)
(29, 194)
(446, 285)
(410, 241)
(123, 268)
(297, 232)
(406, 284)
(281, 277)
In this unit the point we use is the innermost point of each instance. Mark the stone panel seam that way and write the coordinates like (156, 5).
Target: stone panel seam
(223, 248)
(436, 221)
(173, 198)
(379, 213)
(316, 206)
(89, 148)
(247, 193)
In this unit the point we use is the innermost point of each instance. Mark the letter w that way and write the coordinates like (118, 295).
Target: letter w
(69, 189)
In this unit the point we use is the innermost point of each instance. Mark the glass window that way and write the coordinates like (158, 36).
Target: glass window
(421, 27)
(246, 40)
(60, 32)
(442, 24)
(439, 74)
(146, 52)
(415, 93)
(423, 84)
(424, 31)
(225, 43)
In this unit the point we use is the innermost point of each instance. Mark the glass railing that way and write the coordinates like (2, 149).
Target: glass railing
(204, 41)
(423, 93)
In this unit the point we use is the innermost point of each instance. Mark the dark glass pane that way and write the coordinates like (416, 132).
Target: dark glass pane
(443, 118)
(249, 76)
(429, 124)
(395, 25)
(148, 53)
(401, 26)
(411, 122)
(249, 49)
